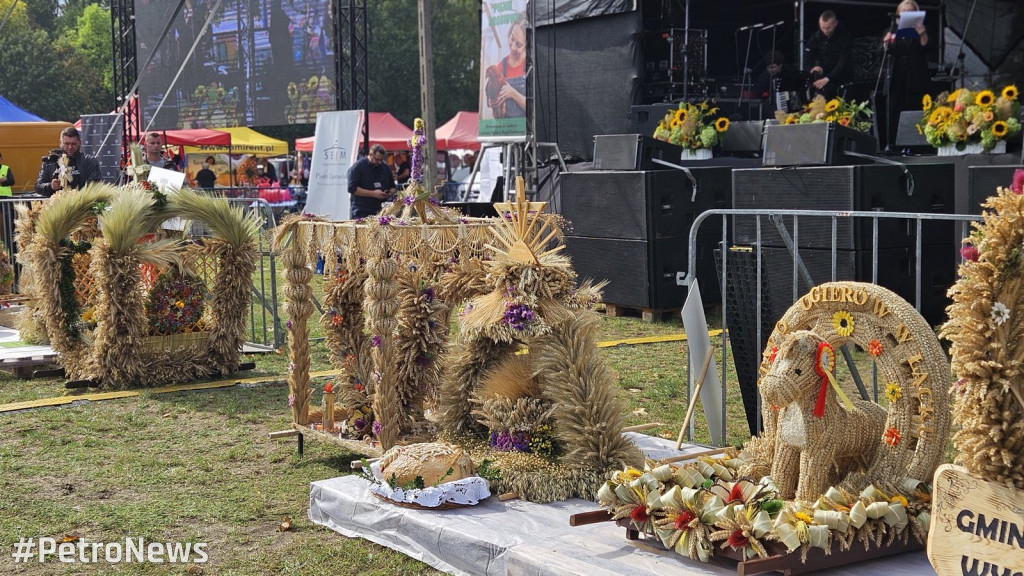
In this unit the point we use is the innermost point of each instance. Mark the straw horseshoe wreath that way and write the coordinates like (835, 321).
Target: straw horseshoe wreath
(832, 470)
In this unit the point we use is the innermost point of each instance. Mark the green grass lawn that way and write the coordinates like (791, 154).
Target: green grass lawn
(198, 466)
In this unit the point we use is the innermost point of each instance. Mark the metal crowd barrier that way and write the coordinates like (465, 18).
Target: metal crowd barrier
(786, 223)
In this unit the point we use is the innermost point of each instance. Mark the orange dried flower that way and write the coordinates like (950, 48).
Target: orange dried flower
(875, 348)
(892, 437)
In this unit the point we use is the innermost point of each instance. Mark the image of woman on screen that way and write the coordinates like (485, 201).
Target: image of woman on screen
(506, 80)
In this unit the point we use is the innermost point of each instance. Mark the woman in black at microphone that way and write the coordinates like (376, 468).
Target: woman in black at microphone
(910, 75)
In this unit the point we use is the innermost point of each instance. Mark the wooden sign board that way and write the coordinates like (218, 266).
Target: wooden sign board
(977, 526)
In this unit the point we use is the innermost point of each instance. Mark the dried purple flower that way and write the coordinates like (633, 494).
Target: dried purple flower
(377, 428)
(375, 341)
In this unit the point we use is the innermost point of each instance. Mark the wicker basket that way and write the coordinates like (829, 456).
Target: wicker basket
(170, 342)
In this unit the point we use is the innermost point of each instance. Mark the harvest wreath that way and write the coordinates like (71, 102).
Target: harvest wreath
(119, 245)
(827, 471)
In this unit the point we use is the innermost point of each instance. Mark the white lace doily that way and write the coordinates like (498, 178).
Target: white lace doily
(468, 491)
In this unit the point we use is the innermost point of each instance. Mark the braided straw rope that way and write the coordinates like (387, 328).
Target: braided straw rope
(912, 367)
(988, 345)
(382, 307)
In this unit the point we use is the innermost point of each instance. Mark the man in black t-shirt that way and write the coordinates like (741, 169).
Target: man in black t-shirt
(370, 182)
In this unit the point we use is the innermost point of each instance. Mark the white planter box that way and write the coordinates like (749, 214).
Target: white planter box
(698, 154)
(974, 148)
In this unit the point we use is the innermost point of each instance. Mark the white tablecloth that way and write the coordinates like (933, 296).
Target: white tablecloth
(525, 538)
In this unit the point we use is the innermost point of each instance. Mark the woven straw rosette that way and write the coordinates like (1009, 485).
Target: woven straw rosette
(427, 476)
(988, 345)
(829, 469)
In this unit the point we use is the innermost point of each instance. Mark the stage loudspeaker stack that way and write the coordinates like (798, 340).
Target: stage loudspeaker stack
(896, 269)
(879, 188)
(982, 182)
(633, 152)
(631, 228)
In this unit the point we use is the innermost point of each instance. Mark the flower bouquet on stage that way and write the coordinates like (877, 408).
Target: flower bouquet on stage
(696, 128)
(970, 122)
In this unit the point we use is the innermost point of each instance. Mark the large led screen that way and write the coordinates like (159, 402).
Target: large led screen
(258, 63)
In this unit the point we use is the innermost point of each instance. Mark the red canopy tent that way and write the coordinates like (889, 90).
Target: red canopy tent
(385, 129)
(195, 137)
(459, 132)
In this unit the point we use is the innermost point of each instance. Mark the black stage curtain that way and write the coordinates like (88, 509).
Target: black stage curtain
(587, 78)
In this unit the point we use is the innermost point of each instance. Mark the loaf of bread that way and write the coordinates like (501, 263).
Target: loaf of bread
(430, 461)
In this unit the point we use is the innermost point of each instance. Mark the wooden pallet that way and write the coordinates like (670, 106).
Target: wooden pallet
(24, 360)
(645, 314)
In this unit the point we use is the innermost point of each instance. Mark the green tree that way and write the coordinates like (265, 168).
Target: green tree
(18, 18)
(42, 13)
(33, 77)
(393, 59)
(91, 37)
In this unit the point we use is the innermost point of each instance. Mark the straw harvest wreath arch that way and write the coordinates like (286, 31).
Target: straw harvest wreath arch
(906, 441)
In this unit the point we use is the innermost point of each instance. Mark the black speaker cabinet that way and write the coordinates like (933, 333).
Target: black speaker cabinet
(982, 182)
(896, 271)
(820, 144)
(640, 273)
(641, 205)
(644, 119)
(906, 130)
(633, 152)
(474, 209)
(879, 188)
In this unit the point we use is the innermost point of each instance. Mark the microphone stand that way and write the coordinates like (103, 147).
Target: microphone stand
(746, 80)
(958, 67)
(884, 71)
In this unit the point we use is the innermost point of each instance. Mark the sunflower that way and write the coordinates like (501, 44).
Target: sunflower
(985, 98)
(1010, 92)
(954, 95)
(893, 392)
(926, 102)
(681, 115)
(842, 322)
(999, 129)
(938, 115)
(722, 124)
(791, 119)
(832, 105)
(675, 123)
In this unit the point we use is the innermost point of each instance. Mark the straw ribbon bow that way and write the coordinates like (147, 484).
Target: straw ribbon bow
(824, 365)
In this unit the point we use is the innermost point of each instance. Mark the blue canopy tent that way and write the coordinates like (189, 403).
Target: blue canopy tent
(9, 112)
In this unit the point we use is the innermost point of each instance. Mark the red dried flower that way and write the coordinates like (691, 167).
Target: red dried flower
(639, 514)
(738, 540)
(337, 319)
(875, 348)
(683, 520)
(969, 252)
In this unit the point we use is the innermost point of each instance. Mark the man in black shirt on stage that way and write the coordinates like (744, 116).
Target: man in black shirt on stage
(828, 54)
(370, 182)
